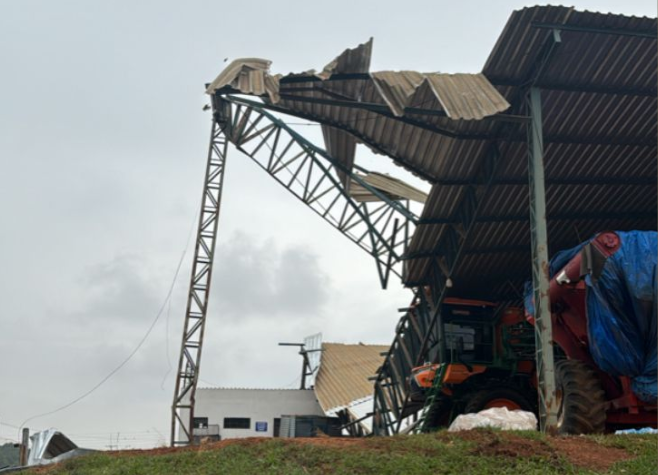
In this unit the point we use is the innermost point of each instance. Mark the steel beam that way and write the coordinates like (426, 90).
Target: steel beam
(540, 264)
(552, 217)
(382, 228)
(182, 409)
(579, 88)
(420, 329)
(650, 34)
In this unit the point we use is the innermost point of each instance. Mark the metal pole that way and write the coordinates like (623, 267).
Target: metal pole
(302, 384)
(24, 447)
(540, 277)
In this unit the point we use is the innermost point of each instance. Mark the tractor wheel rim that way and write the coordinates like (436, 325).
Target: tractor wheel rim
(503, 402)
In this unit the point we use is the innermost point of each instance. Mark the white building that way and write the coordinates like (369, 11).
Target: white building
(340, 388)
(237, 413)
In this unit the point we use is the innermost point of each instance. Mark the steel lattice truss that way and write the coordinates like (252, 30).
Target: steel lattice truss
(197, 302)
(382, 228)
(419, 330)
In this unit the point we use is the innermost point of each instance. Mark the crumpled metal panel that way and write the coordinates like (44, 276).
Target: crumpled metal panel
(51, 446)
(250, 76)
(356, 60)
(464, 98)
(460, 96)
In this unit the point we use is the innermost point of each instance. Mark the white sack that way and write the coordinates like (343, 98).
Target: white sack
(497, 417)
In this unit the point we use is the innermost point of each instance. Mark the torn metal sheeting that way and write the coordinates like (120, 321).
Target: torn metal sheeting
(408, 115)
(51, 446)
(393, 187)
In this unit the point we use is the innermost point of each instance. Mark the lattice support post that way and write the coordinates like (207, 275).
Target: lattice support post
(540, 276)
(420, 330)
(197, 302)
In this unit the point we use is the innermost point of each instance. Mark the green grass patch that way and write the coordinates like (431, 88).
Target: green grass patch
(474, 453)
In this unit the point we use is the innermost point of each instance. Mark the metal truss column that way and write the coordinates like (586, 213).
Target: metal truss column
(540, 277)
(197, 302)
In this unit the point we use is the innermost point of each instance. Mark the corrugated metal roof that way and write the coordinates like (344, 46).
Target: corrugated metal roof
(599, 119)
(344, 372)
(455, 99)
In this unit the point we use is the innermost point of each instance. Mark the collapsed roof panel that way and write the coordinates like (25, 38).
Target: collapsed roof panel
(344, 371)
(404, 114)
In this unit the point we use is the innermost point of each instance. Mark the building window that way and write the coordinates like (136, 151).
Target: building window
(237, 423)
(200, 422)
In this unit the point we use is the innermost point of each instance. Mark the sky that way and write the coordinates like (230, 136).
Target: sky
(102, 152)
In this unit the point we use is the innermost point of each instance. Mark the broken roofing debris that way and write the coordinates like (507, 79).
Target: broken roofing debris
(375, 102)
(49, 446)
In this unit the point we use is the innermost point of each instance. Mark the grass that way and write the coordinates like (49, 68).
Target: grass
(479, 453)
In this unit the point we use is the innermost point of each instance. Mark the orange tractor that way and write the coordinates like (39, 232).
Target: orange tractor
(488, 358)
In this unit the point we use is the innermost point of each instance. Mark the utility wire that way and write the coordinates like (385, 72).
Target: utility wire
(126, 360)
(170, 366)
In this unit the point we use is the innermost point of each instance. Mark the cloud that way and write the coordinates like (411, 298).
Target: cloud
(258, 279)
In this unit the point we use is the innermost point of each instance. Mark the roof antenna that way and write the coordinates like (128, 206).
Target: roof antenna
(306, 364)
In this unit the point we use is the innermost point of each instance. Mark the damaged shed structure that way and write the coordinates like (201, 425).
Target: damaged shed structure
(553, 141)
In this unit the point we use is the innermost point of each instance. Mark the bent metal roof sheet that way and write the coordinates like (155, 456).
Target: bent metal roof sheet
(599, 122)
(344, 372)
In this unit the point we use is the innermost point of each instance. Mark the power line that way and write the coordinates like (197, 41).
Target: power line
(128, 358)
(170, 367)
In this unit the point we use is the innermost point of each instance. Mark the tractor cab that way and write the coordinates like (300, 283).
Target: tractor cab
(481, 350)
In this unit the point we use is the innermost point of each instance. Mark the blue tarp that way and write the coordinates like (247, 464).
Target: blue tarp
(621, 310)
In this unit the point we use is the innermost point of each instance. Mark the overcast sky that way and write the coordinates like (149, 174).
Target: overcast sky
(102, 153)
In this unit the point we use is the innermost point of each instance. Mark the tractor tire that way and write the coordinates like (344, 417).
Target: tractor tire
(580, 399)
(497, 396)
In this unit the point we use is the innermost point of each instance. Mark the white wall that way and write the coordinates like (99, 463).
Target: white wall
(260, 405)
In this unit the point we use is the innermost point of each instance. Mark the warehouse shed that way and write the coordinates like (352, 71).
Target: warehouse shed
(552, 141)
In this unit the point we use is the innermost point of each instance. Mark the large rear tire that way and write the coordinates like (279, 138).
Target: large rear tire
(580, 399)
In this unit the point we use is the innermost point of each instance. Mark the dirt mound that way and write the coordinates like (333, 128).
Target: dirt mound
(579, 451)
(585, 453)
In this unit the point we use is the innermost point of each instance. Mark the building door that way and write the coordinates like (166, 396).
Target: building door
(277, 427)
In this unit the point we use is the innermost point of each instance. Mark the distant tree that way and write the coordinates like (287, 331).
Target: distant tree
(8, 455)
